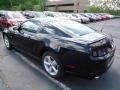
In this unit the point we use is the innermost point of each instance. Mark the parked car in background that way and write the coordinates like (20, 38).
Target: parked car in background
(67, 15)
(62, 15)
(98, 18)
(51, 14)
(70, 16)
(33, 14)
(102, 16)
(92, 19)
(83, 19)
(28, 14)
(63, 45)
(107, 15)
(10, 18)
(38, 14)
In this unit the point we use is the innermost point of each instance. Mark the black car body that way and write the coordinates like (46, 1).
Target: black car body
(83, 51)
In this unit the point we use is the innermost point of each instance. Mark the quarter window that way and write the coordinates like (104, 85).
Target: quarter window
(54, 31)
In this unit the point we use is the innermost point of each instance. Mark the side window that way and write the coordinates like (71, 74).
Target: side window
(29, 27)
(53, 31)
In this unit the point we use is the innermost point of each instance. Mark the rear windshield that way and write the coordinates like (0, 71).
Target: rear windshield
(74, 27)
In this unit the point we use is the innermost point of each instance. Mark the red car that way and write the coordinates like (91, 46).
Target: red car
(10, 18)
(103, 17)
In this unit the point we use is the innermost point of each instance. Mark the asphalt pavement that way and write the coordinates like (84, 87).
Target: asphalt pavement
(17, 74)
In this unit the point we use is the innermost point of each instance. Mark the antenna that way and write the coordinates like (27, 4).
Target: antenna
(103, 26)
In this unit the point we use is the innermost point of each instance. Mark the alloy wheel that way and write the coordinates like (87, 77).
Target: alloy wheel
(7, 44)
(50, 65)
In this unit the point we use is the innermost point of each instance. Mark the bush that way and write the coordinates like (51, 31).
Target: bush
(94, 9)
(36, 8)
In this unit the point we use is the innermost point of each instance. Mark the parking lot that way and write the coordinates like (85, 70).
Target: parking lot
(21, 72)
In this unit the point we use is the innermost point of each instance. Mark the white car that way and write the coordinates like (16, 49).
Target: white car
(62, 15)
(71, 17)
(83, 19)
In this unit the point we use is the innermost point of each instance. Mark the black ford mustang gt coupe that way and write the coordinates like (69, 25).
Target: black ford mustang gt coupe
(63, 45)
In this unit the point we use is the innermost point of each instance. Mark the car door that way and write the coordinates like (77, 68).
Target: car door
(28, 36)
(25, 38)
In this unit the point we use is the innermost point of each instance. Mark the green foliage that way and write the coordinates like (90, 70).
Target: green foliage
(36, 5)
(94, 9)
(37, 8)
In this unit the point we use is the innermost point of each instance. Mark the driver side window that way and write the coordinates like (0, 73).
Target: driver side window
(29, 27)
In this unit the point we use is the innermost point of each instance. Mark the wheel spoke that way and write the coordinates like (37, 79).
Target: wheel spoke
(49, 59)
(54, 69)
(6, 41)
(50, 69)
(54, 63)
(46, 63)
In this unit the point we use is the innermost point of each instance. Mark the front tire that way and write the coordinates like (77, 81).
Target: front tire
(52, 65)
(7, 42)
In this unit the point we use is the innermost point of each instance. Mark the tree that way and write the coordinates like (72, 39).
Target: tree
(22, 4)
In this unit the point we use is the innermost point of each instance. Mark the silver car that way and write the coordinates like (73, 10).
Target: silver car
(83, 19)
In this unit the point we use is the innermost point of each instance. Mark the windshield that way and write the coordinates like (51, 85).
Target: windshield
(73, 27)
(15, 15)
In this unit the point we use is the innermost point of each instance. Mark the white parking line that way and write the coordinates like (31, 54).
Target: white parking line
(60, 84)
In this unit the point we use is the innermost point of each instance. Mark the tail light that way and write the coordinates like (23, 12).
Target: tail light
(101, 50)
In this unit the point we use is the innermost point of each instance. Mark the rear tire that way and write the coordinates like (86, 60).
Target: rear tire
(52, 65)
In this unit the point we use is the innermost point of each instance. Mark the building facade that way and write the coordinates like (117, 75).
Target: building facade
(67, 5)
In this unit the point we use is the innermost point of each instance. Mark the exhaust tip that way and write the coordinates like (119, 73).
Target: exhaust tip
(96, 77)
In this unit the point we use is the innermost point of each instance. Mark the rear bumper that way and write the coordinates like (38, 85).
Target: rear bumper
(81, 64)
(95, 68)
